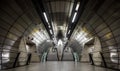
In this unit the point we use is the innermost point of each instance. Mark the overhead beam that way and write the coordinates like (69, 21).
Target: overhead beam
(80, 11)
(40, 9)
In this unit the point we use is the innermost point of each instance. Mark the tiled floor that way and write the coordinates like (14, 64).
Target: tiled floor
(59, 66)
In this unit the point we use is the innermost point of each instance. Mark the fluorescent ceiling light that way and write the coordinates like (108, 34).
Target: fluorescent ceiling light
(50, 31)
(77, 7)
(49, 26)
(69, 32)
(74, 17)
(45, 17)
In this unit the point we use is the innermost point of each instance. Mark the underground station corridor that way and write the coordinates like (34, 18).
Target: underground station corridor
(59, 35)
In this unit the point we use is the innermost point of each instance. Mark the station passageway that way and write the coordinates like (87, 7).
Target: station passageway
(60, 35)
(60, 66)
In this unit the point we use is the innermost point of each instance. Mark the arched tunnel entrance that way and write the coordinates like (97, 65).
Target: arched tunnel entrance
(70, 33)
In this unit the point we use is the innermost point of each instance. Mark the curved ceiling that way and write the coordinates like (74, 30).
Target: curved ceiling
(19, 19)
(99, 18)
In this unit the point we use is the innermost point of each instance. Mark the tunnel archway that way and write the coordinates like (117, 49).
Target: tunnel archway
(23, 21)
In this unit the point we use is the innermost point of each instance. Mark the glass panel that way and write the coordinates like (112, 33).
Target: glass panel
(7, 47)
(5, 57)
(12, 36)
(22, 22)
(9, 42)
(100, 27)
(107, 37)
(110, 42)
(89, 27)
(19, 27)
(13, 30)
(105, 31)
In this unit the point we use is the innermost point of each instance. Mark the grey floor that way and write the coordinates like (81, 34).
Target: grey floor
(59, 66)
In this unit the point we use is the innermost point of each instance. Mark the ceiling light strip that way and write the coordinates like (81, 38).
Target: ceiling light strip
(69, 32)
(45, 17)
(75, 14)
(50, 31)
(77, 7)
